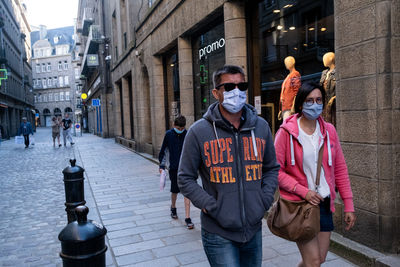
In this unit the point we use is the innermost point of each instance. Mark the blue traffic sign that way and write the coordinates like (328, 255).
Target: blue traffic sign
(96, 102)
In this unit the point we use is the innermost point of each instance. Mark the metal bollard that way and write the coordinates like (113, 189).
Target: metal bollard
(74, 189)
(83, 242)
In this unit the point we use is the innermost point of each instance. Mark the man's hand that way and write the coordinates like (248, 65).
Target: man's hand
(313, 197)
(161, 170)
(350, 219)
(204, 210)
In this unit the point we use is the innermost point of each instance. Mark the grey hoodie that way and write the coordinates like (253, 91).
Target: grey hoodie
(238, 169)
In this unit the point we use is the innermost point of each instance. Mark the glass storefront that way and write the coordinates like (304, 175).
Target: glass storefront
(301, 29)
(172, 89)
(208, 56)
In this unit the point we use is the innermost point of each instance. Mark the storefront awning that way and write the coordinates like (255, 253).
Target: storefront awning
(3, 105)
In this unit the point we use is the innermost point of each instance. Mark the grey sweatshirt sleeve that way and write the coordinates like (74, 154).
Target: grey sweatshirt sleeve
(189, 165)
(270, 172)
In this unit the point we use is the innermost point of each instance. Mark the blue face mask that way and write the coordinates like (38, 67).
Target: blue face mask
(179, 132)
(312, 112)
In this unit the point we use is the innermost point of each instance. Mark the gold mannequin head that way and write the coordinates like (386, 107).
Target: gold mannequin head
(329, 59)
(289, 63)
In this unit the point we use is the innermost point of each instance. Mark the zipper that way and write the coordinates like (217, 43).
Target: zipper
(241, 188)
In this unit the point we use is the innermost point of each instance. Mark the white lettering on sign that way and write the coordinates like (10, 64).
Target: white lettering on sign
(211, 47)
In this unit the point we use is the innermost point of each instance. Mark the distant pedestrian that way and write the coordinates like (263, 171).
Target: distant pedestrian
(232, 150)
(173, 142)
(55, 131)
(67, 125)
(25, 129)
(298, 143)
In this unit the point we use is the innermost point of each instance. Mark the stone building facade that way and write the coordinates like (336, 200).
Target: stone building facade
(53, 74)
(164, 52)
(16, 98)
(93, 34)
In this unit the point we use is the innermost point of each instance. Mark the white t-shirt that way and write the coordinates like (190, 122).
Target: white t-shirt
(311, 145)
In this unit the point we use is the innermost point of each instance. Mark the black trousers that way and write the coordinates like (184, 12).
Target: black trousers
(26, 138)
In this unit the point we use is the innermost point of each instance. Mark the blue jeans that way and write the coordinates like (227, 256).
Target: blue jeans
(224, 252)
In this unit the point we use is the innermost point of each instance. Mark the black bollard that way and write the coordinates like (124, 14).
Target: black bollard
(74, 189)
(83, 242)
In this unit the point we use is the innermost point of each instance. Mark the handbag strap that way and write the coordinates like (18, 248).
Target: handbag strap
(319, 165)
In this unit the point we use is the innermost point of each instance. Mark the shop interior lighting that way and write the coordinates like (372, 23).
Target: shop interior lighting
(287, 6)
(172, 65)
(323, 29)
(305, 45)
(279, 27)
(276, 11)
(292, 28)
(311, 28)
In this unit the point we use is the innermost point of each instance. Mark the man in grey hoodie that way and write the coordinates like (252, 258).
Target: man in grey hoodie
(232, 149)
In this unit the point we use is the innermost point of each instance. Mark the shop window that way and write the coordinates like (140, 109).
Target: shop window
(208, 56)
(172, 89)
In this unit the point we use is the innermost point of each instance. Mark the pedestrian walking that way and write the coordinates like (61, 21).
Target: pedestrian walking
(55, 131)
(67, 125)
(25, 129)
(232, 150)
(172, 146)
(298, 144)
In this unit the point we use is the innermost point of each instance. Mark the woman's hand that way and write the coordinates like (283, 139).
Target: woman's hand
(349, 219)
(313, 197)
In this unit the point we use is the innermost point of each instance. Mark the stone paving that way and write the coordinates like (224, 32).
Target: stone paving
(122, 192)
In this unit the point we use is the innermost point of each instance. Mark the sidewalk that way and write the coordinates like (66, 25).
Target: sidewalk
(122, 192)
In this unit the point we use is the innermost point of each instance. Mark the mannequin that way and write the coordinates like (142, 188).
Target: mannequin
(290, 86)
(328, 81)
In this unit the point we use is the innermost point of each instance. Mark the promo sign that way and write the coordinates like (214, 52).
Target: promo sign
(211, 48)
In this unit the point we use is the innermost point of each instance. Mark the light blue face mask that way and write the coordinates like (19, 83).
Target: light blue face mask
(178, 132)
(312, 112)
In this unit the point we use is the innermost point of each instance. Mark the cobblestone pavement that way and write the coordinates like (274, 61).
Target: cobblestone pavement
(122, 192)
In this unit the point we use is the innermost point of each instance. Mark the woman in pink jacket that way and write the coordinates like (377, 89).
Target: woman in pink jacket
(297, 144)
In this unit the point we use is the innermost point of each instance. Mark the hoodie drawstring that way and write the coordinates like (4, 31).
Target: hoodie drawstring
(254, 143)
(329, 150)
(216, 134)
(292, 151)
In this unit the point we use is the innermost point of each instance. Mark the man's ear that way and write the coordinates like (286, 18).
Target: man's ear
(215, 94)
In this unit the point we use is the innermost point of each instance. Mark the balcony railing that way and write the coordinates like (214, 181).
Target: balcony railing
(92, 44)
(87, 20)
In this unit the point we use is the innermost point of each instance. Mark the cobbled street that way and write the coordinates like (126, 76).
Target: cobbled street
(122, 192)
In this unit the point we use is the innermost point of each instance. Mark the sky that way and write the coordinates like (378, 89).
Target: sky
(52, 13)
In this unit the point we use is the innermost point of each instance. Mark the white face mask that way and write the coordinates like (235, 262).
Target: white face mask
(234, 100)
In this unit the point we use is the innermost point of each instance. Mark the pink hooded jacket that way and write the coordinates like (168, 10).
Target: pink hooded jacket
(289, 153)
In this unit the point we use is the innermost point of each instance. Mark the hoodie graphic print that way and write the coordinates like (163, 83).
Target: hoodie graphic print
(238, 170)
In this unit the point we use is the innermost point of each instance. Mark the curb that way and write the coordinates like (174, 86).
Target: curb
(360, 254)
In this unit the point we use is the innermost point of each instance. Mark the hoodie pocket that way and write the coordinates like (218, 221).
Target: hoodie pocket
(227, 213)
(255, 207)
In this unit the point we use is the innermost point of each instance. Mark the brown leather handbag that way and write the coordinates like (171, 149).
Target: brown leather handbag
(297, 221)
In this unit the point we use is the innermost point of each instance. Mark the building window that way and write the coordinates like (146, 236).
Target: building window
(65, 65)
(61, 96)
(55, 81)
(37, 68)
(45, 98)
(60, 81)
(34, 82)
(43, 67)
(66, 80)
(44, 83)
(59, 65)
(39, 98)
(50, 97)
(76, 73)
(151, 2)
(49, 82)
(67, 96)
(35, 98)
(39, 83)
(48, 67)
(125, 41)
(55, 96)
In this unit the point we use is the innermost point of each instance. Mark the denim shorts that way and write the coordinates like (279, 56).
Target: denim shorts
(326, 219)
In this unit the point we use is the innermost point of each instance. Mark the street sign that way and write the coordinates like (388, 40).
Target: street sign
(83, 96)
(96, 102)
(92, 60)
(3, 74)
(78, 129)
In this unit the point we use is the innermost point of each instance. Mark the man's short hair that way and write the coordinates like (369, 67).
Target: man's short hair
(227, 69)
(180, 121)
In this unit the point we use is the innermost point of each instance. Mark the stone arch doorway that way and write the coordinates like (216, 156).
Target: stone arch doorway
(46, 117)
(147, 121)
(57, 112)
